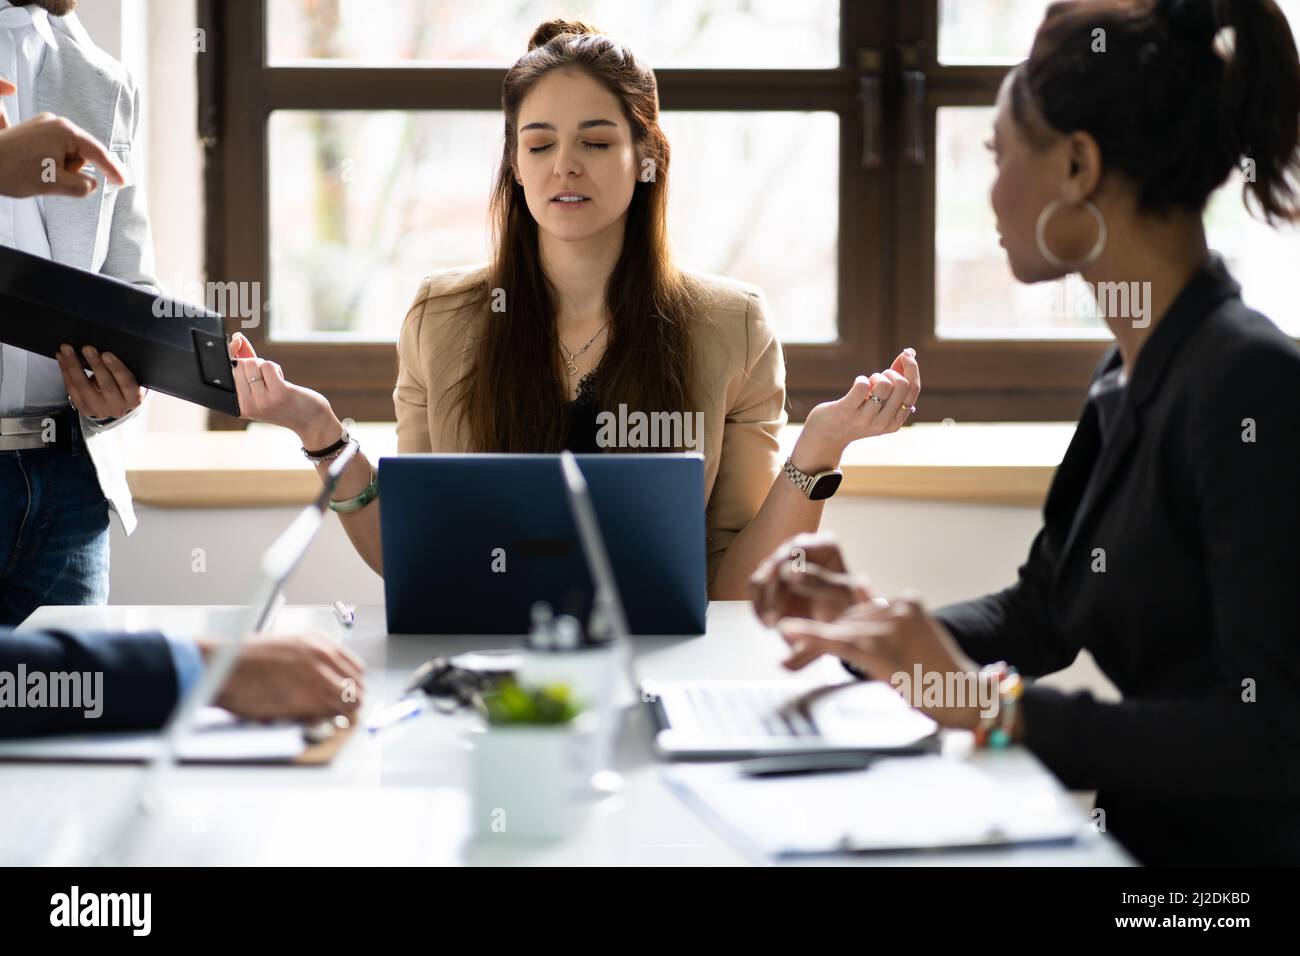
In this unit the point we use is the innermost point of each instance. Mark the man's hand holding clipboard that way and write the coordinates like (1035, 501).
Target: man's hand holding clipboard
(48, 156)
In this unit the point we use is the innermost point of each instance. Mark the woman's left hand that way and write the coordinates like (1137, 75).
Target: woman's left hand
(892, 640)
(875, 405)
(110, 391)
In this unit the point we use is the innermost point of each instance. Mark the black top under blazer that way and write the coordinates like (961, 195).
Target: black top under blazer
(1191, 504)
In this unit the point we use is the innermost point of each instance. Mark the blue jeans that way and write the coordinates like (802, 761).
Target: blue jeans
(53, 530)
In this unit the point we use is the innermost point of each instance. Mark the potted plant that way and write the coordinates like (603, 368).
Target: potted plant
(531, 766)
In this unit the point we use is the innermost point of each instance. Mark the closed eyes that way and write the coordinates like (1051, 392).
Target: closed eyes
(541, 149)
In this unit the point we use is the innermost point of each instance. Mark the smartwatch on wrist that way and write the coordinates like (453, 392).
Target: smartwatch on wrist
(814, 487)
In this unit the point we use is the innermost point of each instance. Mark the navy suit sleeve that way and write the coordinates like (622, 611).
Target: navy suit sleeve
(137, 686)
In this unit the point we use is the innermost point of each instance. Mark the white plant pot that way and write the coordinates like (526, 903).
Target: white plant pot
(597, 679)
(589, 672)
(532, 780)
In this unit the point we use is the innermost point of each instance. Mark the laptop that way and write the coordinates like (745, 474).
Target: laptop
(471, 542)
(136, 810)
(718, 719)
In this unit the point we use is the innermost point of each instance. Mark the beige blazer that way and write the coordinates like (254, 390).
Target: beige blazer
(739, 385)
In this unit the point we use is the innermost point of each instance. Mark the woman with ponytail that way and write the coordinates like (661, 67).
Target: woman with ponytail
(581, 310)
(1171, 540)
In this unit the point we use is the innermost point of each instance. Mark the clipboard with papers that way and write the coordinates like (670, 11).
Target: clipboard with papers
(216, 737)
(897, 804)
(170, 346)
(198, 731)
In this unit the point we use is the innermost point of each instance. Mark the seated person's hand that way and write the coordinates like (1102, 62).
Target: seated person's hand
(806, 578)
(875, 405)
(265, 395)
(290, 677)
(109, 391)
(881, 640)
(26, 148)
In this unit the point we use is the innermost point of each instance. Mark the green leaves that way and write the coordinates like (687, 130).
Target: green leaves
(513, 704)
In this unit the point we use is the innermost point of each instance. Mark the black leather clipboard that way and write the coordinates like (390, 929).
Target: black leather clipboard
(171, 346)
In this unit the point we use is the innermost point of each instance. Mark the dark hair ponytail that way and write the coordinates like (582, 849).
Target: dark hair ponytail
(1184, 92)
(1262, 99)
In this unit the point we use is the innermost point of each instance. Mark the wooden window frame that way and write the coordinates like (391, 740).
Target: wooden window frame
(885, 274)
(985, 379)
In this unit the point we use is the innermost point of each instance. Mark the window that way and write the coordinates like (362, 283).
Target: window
(706, 34)
(971, 272)
(830, 151)
(350, 240)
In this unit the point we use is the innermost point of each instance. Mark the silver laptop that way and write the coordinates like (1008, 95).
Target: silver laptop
(278, 563)
(730, 719)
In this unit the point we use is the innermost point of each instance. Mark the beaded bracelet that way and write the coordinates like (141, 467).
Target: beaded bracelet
(995, 732)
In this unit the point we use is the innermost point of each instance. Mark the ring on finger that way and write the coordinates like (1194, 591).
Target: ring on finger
(254, 380)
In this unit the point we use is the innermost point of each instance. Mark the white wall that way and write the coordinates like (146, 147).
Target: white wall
(943, 551)
(158, 564)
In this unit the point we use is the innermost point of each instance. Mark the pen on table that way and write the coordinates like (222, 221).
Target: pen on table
(785, 765)
(344, 614)
(395, 713)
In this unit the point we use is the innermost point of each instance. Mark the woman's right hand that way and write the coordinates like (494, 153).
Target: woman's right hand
(266, 396)
(806, 578)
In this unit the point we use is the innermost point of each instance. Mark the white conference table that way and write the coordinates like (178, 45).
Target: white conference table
(399, 796)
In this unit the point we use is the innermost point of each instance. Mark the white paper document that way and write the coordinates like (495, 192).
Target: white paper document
(218, 737)
(896, 804)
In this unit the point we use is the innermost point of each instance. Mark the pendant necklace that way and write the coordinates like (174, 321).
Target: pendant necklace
(570, 363)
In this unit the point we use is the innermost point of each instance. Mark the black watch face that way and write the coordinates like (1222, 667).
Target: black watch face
(825, 486)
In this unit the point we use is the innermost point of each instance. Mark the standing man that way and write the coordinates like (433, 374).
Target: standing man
(55, 496)
(294, 677)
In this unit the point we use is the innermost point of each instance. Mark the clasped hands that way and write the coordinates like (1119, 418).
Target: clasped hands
(805, 591)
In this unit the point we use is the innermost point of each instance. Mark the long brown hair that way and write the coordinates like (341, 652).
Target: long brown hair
(508, 402)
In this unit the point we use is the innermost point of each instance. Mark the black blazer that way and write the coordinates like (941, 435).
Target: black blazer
(138, 688)
(1193, 504)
